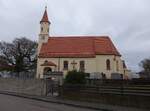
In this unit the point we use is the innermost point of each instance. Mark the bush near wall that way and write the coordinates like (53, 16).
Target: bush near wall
(75, 77)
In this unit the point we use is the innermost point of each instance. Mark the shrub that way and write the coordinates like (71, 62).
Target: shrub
(74, 77)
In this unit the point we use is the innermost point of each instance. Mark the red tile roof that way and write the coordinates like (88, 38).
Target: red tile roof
(45, 17)
(79, 46)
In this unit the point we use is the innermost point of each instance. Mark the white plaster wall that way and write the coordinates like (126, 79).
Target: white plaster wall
(45, 27)
(97, 64)
(101, 64)
(90, 65)
(44, 35)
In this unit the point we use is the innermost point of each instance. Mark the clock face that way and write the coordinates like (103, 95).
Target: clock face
(43, 37)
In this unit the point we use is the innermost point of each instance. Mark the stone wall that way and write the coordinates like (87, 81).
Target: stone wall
(24, 86)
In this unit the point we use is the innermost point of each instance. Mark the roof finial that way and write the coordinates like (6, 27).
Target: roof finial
(45, 16)
(46, 7)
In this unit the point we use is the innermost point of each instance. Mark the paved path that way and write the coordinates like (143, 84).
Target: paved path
(12, 103)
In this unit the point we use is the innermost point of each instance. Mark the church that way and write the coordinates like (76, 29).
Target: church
(95, 55)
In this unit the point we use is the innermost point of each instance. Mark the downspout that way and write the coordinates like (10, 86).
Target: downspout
(59, 64)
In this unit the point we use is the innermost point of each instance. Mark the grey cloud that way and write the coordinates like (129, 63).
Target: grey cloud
(125, 21)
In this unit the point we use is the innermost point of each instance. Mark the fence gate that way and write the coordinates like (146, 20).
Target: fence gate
(52, 87)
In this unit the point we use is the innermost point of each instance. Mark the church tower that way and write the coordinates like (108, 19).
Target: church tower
(44, 30)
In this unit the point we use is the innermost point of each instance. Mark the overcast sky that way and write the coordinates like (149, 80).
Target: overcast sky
(127, 22)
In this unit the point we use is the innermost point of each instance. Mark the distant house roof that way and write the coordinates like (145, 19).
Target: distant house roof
(5, 66)
(78, 46)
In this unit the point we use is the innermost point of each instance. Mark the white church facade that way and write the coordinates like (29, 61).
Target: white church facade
(91, 54)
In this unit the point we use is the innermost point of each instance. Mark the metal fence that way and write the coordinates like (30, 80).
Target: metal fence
(135, 95)
(21, 75)
(110, 82)
(143, 90)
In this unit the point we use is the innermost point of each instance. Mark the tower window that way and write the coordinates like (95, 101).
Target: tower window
(48, 30)
(42, 29)
(117, 65)
(43, 37)
(108, 64)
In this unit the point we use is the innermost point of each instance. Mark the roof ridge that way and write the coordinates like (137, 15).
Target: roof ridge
(79, 37)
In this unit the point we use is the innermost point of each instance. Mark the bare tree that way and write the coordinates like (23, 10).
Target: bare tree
(20, 54)
(145, 64)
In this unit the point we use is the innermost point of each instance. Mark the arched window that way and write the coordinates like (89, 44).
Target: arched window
(82, 66)
(65, 65)
(117, 65)
(108, 64)
(46, 61)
